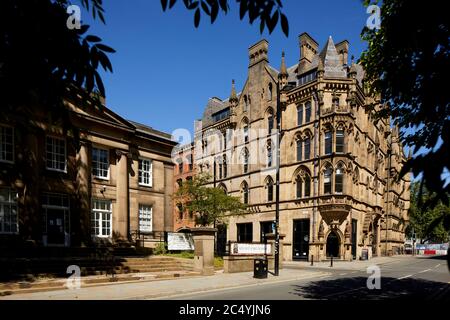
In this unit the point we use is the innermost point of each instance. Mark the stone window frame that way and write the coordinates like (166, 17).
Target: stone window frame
(53, 154)
(141, 178)
(100, 148)
(108, 211)
(141, 213)
(10, 203)
(4, 143)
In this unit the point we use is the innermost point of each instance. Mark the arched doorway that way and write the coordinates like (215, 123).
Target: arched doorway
(333, 245)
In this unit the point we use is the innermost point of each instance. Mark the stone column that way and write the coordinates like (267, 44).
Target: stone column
(204, 249)
(122, 194)
(83, 186)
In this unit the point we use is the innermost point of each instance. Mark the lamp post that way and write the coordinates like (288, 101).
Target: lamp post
(389, 151)
(277, 187)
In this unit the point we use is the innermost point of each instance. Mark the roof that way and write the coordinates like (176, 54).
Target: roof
(150, 131)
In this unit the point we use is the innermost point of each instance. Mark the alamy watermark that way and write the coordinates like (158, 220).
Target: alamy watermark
(74, 281)
(374, 20)
(374, 280)
(74, 19)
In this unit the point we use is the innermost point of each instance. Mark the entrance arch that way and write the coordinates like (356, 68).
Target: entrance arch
(333, 244)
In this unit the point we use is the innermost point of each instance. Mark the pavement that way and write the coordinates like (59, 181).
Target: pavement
(401, 276)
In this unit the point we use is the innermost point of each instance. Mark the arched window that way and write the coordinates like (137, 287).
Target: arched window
(219, 161)
(245, 103)
(335, 102)
(298, 187)
(269, 156)
(270, 91)
(328, 142)
(307, 143)
(270, 123)
(339, 179)
(340, 140)
(245, 192)
(327, 180)
(307, 186)
(300, 115)
(245, 132)
(245, 160)
(307, 111)
(269, 186)
(225, 166)
(223, 188)
(299, 149)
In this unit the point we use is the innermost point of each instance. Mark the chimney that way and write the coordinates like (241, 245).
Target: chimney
(342, 49)
(258, 52)
(308, 49)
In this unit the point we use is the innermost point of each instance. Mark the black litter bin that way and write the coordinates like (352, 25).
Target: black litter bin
(260, 269)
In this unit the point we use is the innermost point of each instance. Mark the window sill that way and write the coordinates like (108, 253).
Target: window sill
(7, 161)
(56, 170)
(145, 185)
(101, 178)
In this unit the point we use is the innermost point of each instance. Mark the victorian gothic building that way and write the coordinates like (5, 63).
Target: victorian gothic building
(339, 195)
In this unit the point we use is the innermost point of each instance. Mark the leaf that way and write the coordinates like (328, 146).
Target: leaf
(284, 24)
(243, 9)
(172, 3)
(206, 8)
(214, 12)
(197, 18)
(105, 48)
(91, 38)
(99, 82)
(164, 4)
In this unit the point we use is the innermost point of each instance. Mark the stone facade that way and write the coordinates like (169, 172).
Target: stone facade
(117, 182)
(337, 163)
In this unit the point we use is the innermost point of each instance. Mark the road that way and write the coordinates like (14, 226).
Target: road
(408, 277)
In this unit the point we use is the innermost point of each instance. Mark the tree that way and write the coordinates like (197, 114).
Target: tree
(406, 67)
(43, 63)
(429, 224)
(269, 12)
(210, 205)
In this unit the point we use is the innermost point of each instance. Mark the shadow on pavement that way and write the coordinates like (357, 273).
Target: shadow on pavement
(391, 288)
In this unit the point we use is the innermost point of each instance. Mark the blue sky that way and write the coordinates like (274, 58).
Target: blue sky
(165, 70)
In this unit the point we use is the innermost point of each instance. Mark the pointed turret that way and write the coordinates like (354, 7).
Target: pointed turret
(332, 61)
(283, 75)
(233, 96)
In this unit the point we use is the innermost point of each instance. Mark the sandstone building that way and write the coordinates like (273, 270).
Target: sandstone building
(338, 192)
(116, 183)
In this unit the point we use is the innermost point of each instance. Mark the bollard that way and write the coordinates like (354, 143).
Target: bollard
(312, 260)
(331, 265)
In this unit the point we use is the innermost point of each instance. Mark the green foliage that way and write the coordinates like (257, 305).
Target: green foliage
(269, 12)
(406, 66)
(160, 249)
(40, 57)
(211, 205)
(428, 223)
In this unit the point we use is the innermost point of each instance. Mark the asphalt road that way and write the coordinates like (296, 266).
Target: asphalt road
(425, 278)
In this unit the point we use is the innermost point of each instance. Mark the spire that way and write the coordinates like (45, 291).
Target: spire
(233, 95)
(283, 69)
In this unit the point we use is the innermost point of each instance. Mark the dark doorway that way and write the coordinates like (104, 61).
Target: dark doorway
(266, 227)
(221, 239)
(300, 239)
(354, 230)
(55, 227)
(333, 245)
